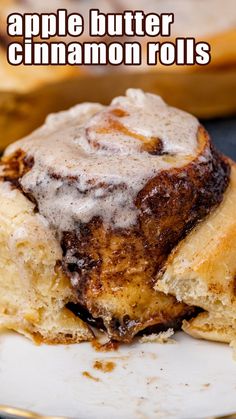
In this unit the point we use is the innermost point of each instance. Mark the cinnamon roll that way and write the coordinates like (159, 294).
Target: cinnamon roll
(28, 94)
(111, 192)
(205, 20)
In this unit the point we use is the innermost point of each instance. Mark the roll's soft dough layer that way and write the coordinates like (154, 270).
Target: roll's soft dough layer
(33, 288)
(201, 271)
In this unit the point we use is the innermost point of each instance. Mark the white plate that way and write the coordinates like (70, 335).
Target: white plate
(189, 379)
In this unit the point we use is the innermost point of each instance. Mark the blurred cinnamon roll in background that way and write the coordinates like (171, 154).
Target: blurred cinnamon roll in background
(28, 94)
(93, 205)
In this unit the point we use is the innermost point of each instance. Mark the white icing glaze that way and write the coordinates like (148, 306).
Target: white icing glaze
(101, 167)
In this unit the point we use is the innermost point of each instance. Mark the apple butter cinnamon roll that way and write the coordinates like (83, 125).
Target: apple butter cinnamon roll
(113, 191)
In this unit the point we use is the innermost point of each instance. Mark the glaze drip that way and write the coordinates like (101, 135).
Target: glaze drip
(92, 161)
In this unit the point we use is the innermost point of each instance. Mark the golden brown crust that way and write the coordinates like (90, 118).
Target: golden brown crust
(15, 166)
(206, 326)
(201, 271)
(176, 199)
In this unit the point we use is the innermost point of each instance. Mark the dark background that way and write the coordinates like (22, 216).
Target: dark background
(223, 134)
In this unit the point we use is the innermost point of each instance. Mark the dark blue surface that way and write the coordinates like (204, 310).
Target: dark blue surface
(223, 134)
